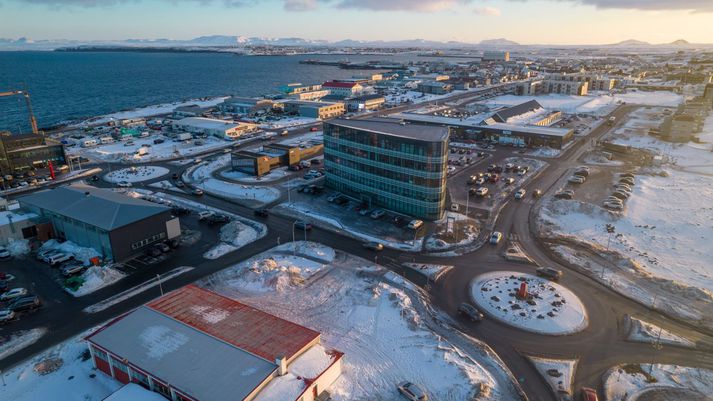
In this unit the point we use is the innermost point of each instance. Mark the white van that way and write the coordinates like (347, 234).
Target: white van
(455, 207)
(88, 143)
(106, 139)
(415, 224)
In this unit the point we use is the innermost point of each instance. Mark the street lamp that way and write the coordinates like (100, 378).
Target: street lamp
(294, 243)
(610, 230)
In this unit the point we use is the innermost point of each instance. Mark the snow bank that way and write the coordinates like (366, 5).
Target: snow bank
(18, 340)
(18, 247)
(95, 278)
(644, 332)
(234, 236)
(627, 382)
(558, 373)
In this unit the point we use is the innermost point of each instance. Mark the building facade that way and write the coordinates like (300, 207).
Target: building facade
(342, 89)
(365, 102)
(116, 226)
(382, 162)
(213, 127)
(435, 87)
(575, 88)
(496, 56)
(245, 105)
(19, 153)
(320, 110)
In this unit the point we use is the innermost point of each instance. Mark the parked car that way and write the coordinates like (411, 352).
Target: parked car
(412, 392)
(261, 212)
(628, 181)
(197, 192)
(415, 224)
(303, 225)
(374, 246)
(28, 302)
(588, 394)
(377, 214)
(495, 237)
(509, 166)
(470, 311)
(13, 293)
(95, 178)
(4, 285)
(620, 195)
(313, 129)
(341, 200)
(43, 253)
(332, 197)
(630, 175)
(549, 273)
(614, 206)
(123, 184)
(153, 251)
(509, 181)
(217, 219)
(56, 258)
(482, 191)
(364, 211)
(6, 315)
(480, 181)
(4, 253)
(520, 193)
(576, 179)
(180, 210)
(566, 194)
(71, 269)
(205, 214)
(163, 247)
(583, 170)
(197, 160)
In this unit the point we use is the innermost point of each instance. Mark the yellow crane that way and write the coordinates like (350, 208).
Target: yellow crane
(33, 122)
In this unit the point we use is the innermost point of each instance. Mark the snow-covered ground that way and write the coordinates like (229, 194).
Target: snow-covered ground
(670, 382)
(80, 254)
(382, 329)
(233, 236)
(410, 96)
(552, 309)
(136, 174)
(558, 373)
(239, 176)
(202, 177)
(75, 379)
(598, 104)
(645, 332)
(127, 153)
(16, 341)
(432, 271)
(149, 111)
(544, 151)
(289, 122)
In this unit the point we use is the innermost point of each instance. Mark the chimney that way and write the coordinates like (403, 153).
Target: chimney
(281, 363)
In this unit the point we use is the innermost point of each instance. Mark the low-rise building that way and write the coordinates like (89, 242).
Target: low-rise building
(195, 345)
(683, 128)
(312, 95)
(435, 87)
(496, 56)
(595, 82)
(343, 89)
(213, 127)
(311, 109)
(16, 225)
(387, 163)
(294, 88)
(274, 155)
(245, 105)
(115, 225)
(189, 111)
(365, 102)
(565, 87)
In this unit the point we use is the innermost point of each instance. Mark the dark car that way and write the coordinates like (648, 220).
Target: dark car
(564, 195)
(217, 219)
(95, 178)
(549, 273)
(4, 285)
(175, 176)
(180, 210)
(262, 212)
(153, 251)
(303, 225)
(163, 247)
(157, 141)
(71, 268)
(27, 302)
(470, 311)
(174, 243)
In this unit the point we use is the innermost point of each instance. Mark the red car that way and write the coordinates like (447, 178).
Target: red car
(313, 129)
(589, 394)
(494, 178)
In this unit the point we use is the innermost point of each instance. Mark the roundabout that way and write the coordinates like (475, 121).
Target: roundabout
(136, 174)
(529, 303)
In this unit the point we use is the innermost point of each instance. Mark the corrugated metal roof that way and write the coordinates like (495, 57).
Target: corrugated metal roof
(193, 362)
(101, 208)
(243, 326)
(504, 115)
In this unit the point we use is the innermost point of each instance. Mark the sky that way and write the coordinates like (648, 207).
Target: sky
(524, 21)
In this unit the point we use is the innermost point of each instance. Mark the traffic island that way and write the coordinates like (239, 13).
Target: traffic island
(529, 303)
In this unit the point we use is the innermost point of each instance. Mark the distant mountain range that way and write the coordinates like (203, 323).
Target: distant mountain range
(216, 41)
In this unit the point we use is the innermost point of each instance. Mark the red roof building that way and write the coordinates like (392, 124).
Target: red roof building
(345, 89)
(195, 345)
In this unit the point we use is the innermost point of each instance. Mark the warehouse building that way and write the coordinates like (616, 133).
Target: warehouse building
(245, 105)
(115, 225)
(19, 153)
(295, 88)
(16, 225)
(195, 345)
(213, 127)
(312, 95)
(320, 110)
(386, 163)
(435, 87)
(496, 56)
(343, 89)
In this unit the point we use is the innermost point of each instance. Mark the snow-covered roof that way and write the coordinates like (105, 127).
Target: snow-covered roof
(134, 392)
(98, 207)
(208, 123)
(7, 216)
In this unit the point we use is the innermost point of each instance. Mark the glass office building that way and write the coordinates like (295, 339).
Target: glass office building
(386, 163)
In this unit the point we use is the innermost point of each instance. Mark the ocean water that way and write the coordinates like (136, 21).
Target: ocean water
(69, 86)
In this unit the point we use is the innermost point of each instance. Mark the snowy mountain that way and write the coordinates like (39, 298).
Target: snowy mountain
(500, 42)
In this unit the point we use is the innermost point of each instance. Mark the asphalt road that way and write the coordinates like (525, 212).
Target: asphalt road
(598, 347)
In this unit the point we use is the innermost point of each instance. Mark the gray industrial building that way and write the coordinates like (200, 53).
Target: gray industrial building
(115, 225)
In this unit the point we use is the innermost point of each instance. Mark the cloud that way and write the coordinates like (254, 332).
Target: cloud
(109, 3)
(402, 5)
(650, 5)
(489, 11)
(300, 5)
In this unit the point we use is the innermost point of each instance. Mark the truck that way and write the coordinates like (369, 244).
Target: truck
(183, 137)
(612, 120)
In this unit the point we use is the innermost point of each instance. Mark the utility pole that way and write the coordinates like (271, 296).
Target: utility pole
(160, 286)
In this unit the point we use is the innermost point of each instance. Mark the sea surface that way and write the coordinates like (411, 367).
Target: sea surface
(70, 86)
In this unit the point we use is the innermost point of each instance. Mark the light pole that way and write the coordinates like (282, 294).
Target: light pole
(467, 202)
(289, 188)
(294, 244)
(160, 286)
(610, 229)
